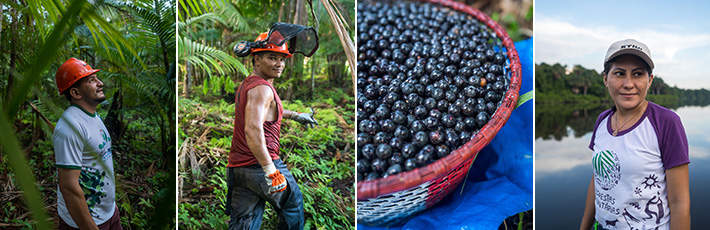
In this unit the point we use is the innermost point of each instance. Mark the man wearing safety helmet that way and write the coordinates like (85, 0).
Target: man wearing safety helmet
(82, 150)
(255, 173)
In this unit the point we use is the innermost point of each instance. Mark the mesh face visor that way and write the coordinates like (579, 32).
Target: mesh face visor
(301, 39)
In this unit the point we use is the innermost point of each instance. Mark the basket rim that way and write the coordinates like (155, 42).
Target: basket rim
(407, 180)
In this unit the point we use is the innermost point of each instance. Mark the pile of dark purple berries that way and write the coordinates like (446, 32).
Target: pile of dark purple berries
(428, 79)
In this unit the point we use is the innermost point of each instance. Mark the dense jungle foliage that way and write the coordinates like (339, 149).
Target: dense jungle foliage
(321, 159)
(557, 83)
(133, 43)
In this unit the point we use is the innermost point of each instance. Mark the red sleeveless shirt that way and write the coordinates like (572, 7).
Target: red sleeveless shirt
(239, 154)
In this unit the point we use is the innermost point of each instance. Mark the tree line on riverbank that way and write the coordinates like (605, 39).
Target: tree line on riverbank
(558, 84)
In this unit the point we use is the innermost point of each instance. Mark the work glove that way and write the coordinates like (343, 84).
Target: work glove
(274, 179)
(305, 119)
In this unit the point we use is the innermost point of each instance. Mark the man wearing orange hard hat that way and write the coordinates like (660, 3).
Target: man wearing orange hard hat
(86, 197)
(255, 173)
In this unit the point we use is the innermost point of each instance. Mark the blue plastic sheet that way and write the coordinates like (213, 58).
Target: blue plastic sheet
(500, 183)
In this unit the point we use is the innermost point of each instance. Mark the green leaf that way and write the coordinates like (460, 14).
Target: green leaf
(20, 166)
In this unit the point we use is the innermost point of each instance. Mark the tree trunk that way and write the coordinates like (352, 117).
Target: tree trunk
(114, 120)
(344, 37)
(335, 71)
(281, 11)
(162, 43)
(13, 53)
(186, 88)
(2, 20)
(163, 142)
(295, 63)
(300, 16)
(313, 82)
(169, 149)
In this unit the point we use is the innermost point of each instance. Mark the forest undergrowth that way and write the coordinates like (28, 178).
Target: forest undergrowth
(140, 177)
(321, 159)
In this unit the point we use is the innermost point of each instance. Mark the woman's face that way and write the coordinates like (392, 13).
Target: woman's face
(628, 82)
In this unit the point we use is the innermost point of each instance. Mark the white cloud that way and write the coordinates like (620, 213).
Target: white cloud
(551, 156)
(559, 41)
(698, 152)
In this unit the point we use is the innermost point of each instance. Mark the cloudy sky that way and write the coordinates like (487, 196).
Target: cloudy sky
(579, 32)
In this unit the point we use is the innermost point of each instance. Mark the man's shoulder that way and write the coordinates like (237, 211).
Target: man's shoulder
(261, 91)
(72, 122)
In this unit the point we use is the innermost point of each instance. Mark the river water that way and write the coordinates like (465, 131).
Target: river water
(563, 163)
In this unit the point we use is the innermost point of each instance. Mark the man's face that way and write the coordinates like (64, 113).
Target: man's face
(270, 64)
(91, 90)
(628, 81)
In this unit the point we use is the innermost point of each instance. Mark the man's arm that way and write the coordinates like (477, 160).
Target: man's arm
(588, 217)
(258, 100)
(679, 196)
(74, 198)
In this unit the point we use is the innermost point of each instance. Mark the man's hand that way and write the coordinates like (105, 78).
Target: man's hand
(274, 179)
(305, 119)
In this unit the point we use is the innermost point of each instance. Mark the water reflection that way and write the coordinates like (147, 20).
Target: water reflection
(696, 128)
(563, 161)
(554, 121)
(563, 132)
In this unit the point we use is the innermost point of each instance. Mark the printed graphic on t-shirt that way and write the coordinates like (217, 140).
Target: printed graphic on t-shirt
(644, 215)
(106, 141)
(606, 169)
(92, 183)
(652, 211)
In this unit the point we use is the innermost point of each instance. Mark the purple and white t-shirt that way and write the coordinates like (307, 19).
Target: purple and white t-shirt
(629, 169)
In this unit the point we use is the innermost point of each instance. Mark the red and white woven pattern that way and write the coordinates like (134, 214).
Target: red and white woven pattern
(391, 208)
(387, 201)
(394, 207)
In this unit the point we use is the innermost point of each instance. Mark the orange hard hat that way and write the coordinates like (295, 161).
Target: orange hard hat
(71, 71)
(271, 47)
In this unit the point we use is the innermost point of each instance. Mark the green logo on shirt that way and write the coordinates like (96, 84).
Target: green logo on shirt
(607, 171)
(106, 139)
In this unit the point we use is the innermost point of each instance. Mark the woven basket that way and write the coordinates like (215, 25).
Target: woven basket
(390, 200)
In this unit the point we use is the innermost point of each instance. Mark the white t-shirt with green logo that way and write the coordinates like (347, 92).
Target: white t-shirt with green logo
(81, 141)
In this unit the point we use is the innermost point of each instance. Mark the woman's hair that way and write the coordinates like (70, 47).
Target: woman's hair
(607, 65)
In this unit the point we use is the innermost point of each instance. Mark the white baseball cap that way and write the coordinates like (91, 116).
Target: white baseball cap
(629, 46)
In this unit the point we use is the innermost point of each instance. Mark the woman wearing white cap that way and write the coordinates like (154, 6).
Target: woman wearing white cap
(640, 159)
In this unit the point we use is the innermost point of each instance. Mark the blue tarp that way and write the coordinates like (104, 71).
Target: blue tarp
(500, 183)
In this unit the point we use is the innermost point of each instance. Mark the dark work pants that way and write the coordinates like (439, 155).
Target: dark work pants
(114, 223)
(248, 191)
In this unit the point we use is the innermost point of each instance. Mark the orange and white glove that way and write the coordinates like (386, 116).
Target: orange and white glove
(274, 179)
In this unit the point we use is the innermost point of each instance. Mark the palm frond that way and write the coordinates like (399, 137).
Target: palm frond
(193, 8)
(160, 20)
(234, 19)
(207, 18)
(207, 58)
